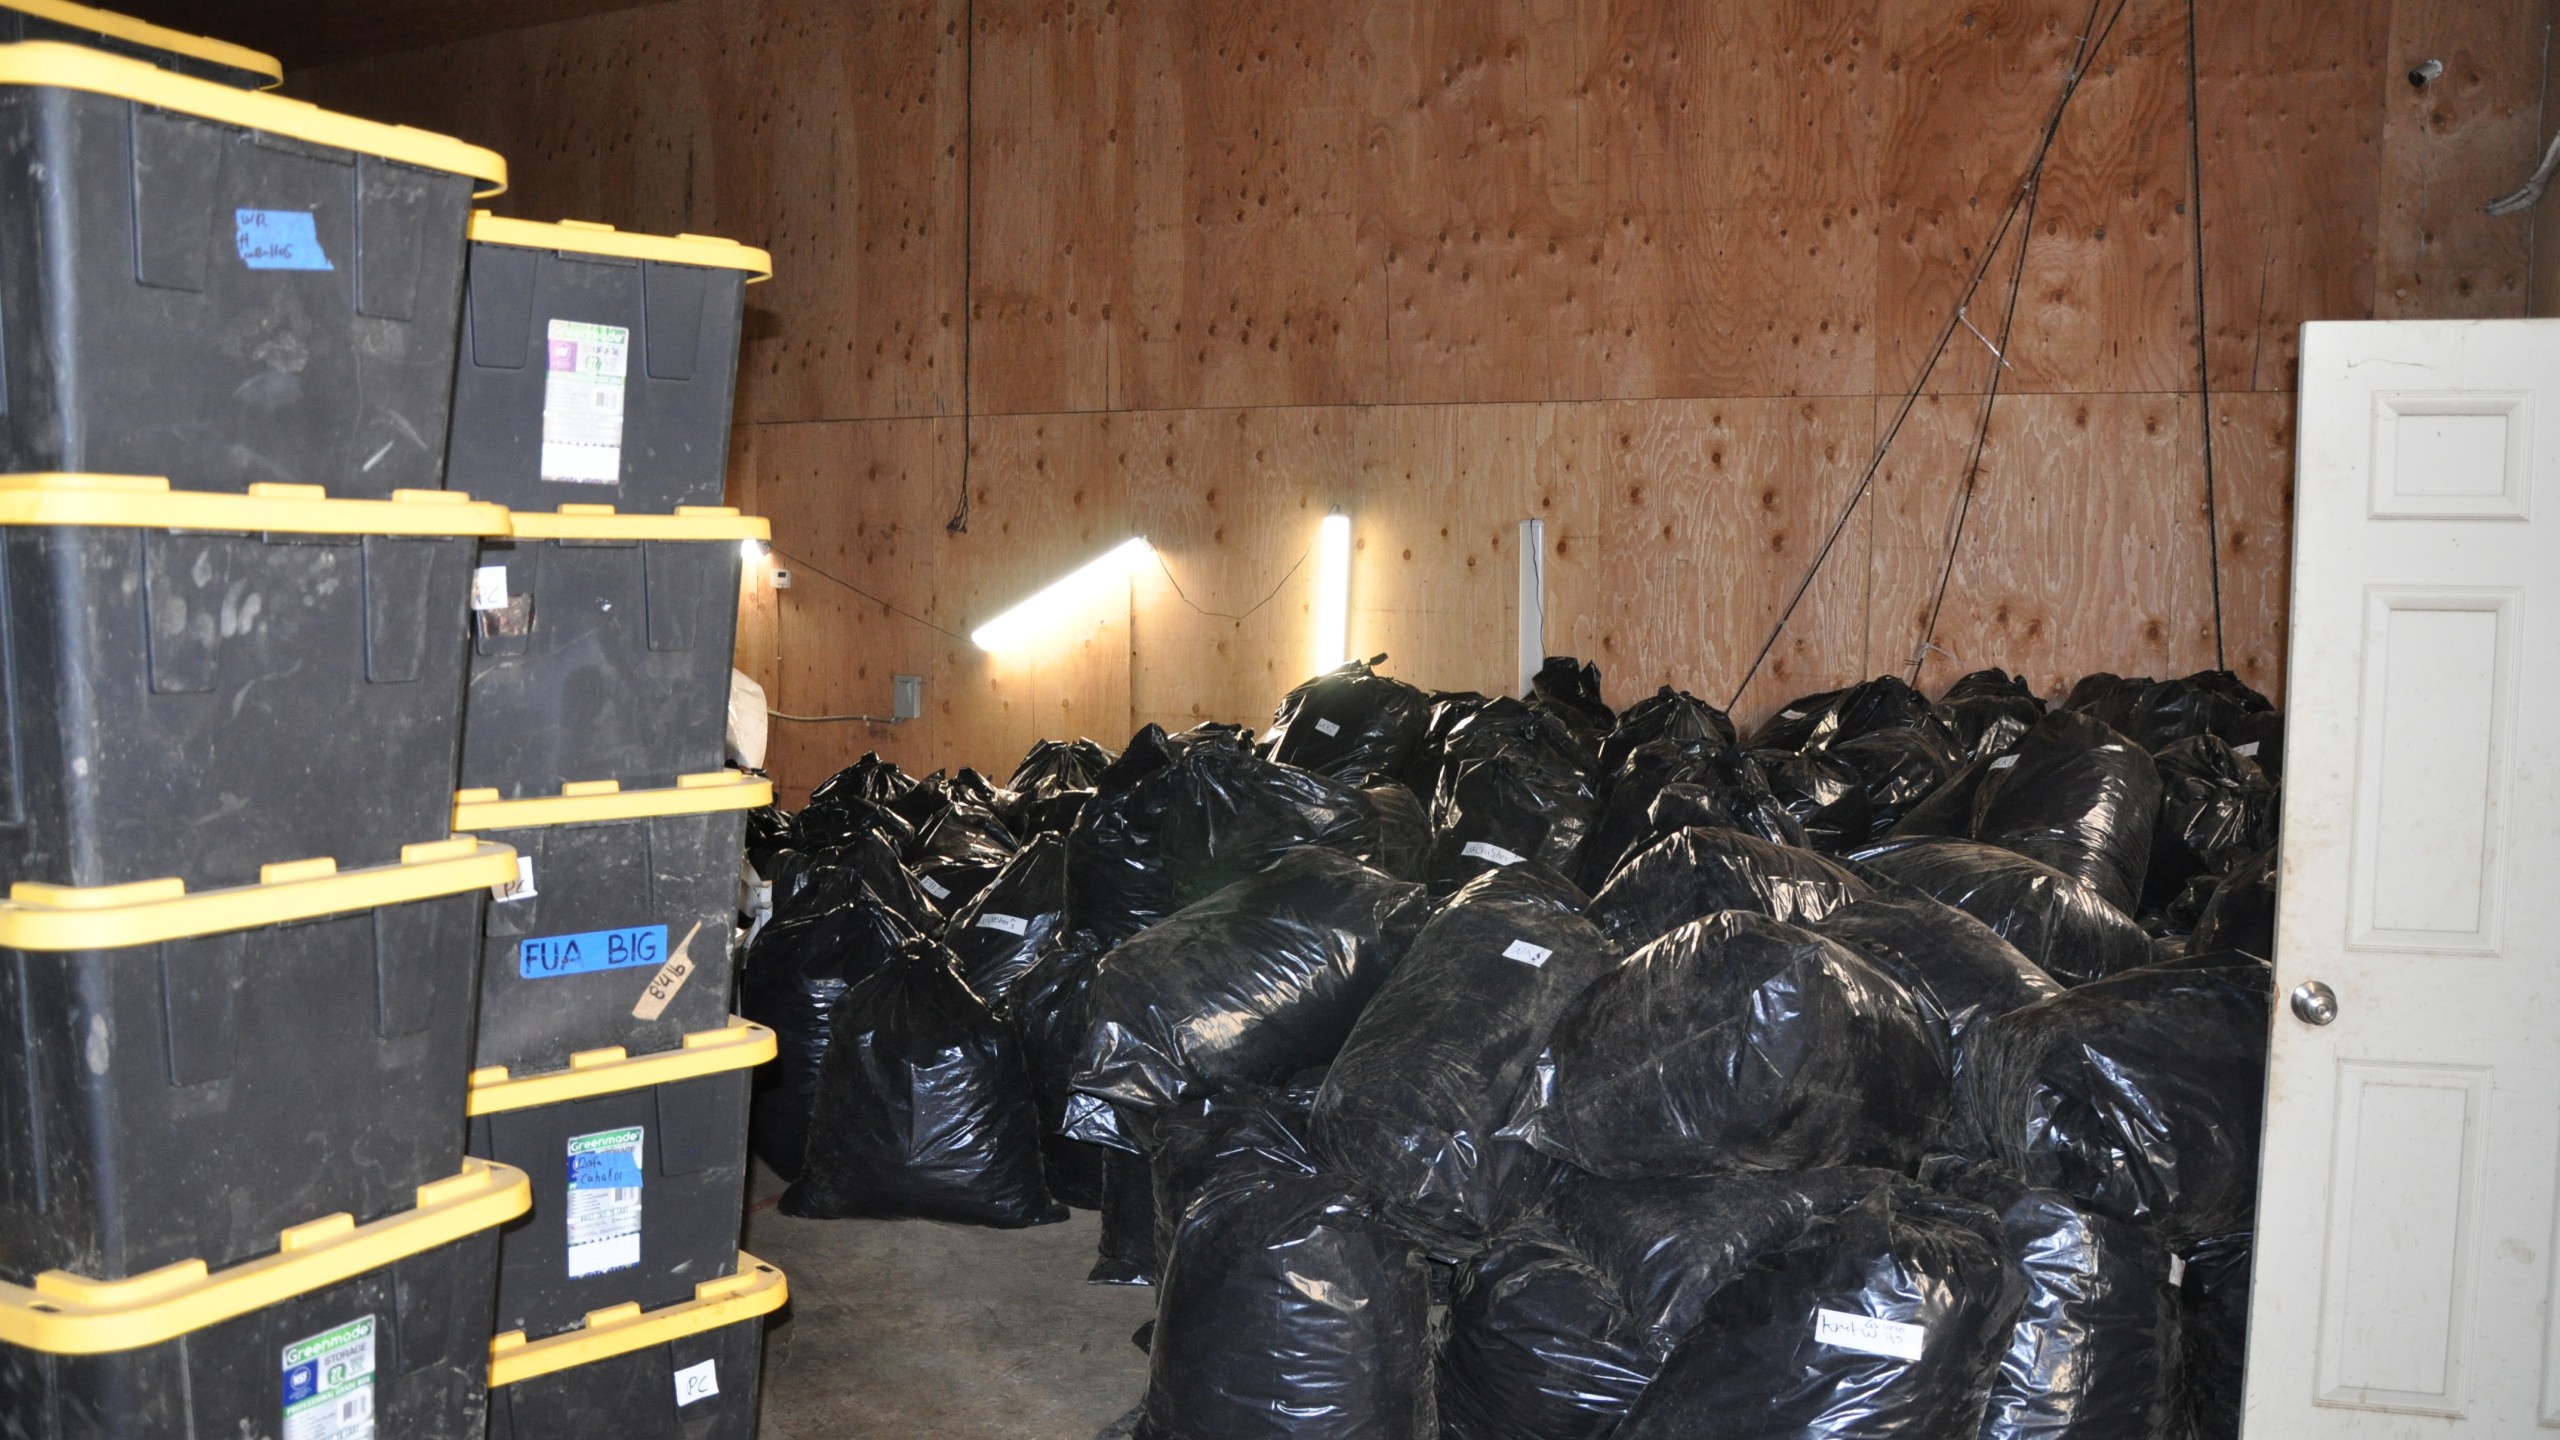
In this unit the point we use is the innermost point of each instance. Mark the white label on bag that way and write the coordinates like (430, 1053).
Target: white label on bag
(489, 588)
(1533, 956)
(1478, 850)
(328, 1384)
(697, 1382)
(1790, 714)
(1869, 1335)
(1328, 728)
(2250, 749)
(603, 1209)
(521, 887)
(1009, 924)
(582, 402)
(2004, 762)
(932, 889)
(2177, 1270)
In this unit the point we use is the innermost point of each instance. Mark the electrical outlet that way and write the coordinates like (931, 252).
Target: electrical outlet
(906, 697)
(781, 578)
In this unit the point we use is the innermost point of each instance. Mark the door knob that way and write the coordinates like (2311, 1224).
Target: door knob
(2314, 1003)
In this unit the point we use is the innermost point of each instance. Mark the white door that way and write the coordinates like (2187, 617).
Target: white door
(2406, 1248)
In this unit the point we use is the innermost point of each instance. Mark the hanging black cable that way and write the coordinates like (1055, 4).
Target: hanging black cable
(2204, 355)
(2091, 37)
(958, 524)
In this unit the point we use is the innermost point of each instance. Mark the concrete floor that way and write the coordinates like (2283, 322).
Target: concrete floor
(908, 1328)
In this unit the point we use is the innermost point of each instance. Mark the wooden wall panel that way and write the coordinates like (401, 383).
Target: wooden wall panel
(1655, 270)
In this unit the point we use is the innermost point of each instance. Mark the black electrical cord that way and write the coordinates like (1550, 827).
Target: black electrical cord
(2204, 355)
(958, 524)
(884, 604)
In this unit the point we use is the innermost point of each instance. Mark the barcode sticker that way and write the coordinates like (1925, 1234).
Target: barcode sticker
(697, 1382)
(489, 588)
(2004, 762)
(1009, 924)
(521, 887)
(328, 1384)
(1868, 1335)
(2250, 749)
(603, 1209)
(582, 402)
(1479, 850)
(1533, 956)
(1327, 728)
(933, 888)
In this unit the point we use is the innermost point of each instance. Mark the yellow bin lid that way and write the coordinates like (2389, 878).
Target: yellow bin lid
(72, 67)
(603, 522)
(111, 917)
(738, 1045)
(587, 802)
(147, 502)
(587, 237)
(157, 37)
(755, 1289)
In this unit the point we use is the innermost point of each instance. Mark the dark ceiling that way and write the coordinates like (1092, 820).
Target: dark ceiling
(304, 33)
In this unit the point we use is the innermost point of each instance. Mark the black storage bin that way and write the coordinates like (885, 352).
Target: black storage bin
(618, 931)
(597, 366)
(199, 685)
(341, 1323)
(220, 286)
(642, 1166)
(185, 1075)
(686, 1372)
(201, 56)
(609, 658)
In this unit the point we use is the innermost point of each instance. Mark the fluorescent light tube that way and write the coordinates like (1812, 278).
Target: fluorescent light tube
(1333, 592)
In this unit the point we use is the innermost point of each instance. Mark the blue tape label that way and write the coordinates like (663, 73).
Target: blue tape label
(281, 240)
(547, 957)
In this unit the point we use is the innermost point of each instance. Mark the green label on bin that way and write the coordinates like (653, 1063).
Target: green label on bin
(546, 957)
(328, 1384)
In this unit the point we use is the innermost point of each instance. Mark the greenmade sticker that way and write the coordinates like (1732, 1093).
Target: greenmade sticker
(582, 402)
(328, 1384)
(603, 1206)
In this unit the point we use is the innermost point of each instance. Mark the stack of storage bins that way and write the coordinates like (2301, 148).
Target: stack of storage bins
(592, 394)
(239, 951)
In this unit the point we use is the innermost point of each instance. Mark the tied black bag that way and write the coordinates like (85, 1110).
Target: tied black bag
(821, 943)
(1351, 724)
(2054, 920)
(924, 1108)
(1537, 1345)
(1696, 872)
(2079, 797)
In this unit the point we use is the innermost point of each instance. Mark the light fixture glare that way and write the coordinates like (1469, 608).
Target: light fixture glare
(1062, 599)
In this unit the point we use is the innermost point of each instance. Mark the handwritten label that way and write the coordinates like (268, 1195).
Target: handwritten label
(2004, 762)
(697, 1382)
(1533, 956)
(932, 888)
(2250, 749)
(1327, 728)
(489, 588)
(603, 1209)
(1479, 850)
(1009, 924)
(280, 240)
(669, 979)
(521, 887)
(547, 957)
(1869, 1335)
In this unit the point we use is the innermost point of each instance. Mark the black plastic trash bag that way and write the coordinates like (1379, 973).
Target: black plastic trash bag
(1813, 722)
(1569, 689)
(801, 963)
(1666, 714)
(1404, 830)
(2095, 1352)
(2213, 1303)
(959, 853)
(1448, 710)
(2259, 738)
(2241, 912)
(1223, 1139)
(1052, 774)
(2138, 1095)
(1507, 724)
(1536, 1346)
(1248, 987)
(2080, 798)
(1899, 767)
(1799, 722)
(770, 831)
(1947, 810)
(1432, 1069)
(1352, 724)
(1667, 1246)
(1693, 873)
(1824, 795)
(1958, 968)
(2216, 809)
(1737, 1043)
(1178, 818)
(865, 860)
(1504, 808)
(1051, 1004)
(1885, 1322)
(2054, 920)
(1287, 1311)
(1666, 785)
(1990, 711)
(1125, 1253)
(847, 819)
(869, 778)
(1003, 928)
(2152, 713)
(924, 1108)
(1074, 1168)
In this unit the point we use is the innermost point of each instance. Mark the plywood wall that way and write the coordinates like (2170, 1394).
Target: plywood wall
(1656, 271)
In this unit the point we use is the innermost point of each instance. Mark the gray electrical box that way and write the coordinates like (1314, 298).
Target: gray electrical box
(906, 701)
